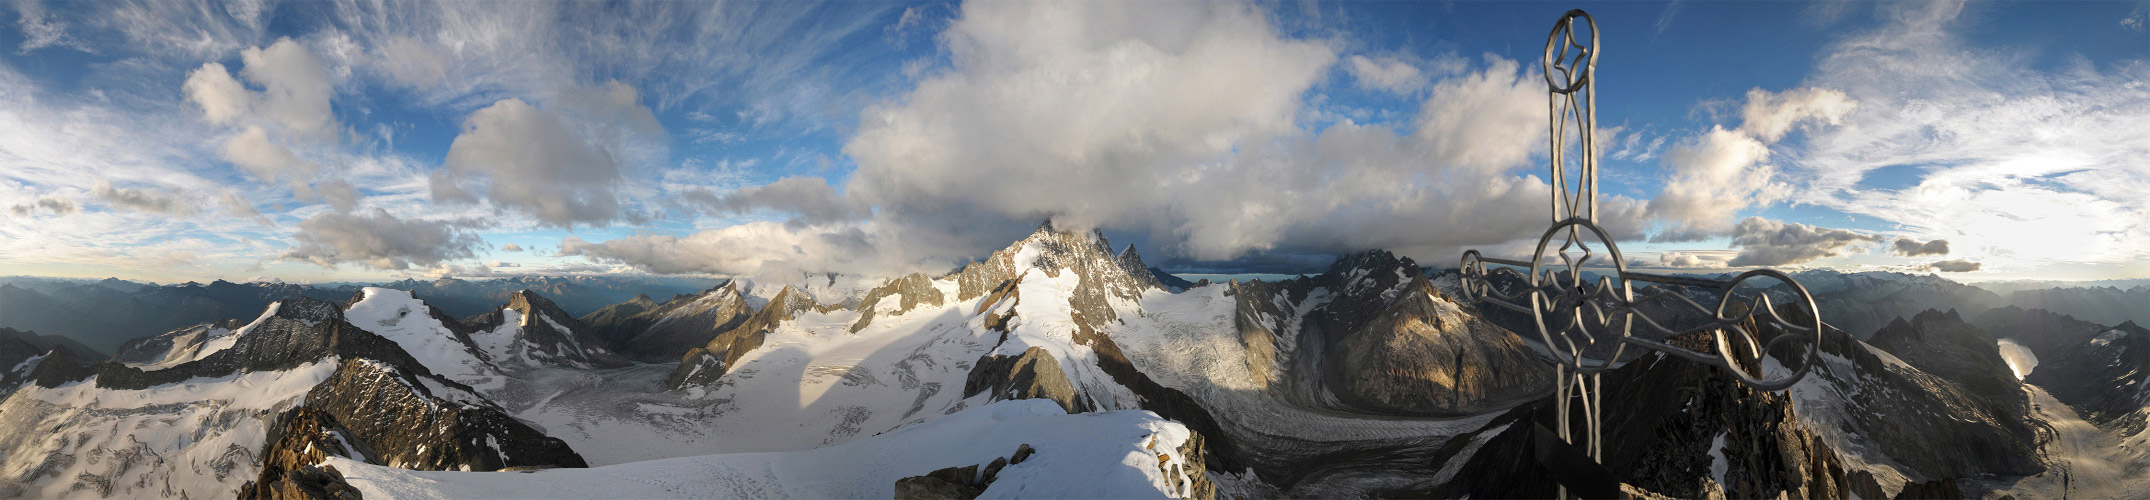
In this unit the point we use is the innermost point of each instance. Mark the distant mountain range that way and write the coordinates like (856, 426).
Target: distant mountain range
(103, 314)
(1053, 367)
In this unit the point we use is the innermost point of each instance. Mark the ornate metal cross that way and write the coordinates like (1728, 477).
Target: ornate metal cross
(1586, 325)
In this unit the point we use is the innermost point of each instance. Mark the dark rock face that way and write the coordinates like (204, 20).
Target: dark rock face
(1671, 428)
(959, 483)
(1672, 423)
(1943, 345)
(1145, 276)
(1930, 425)
(2049, 335)
(1035, 374)
(1496, 461)
(47, 342)
(2102, 378)
(15, 365)
(303, 483)
(618, 322)
(397, 414)
(1958, 354)
(1173, 282)
(299, 441)
(1424, 355)
(547, 335)
(60, 367)
(704, 365)
(952, 483)
(665, 332)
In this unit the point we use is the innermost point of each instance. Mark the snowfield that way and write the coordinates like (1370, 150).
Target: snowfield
(812, 383)
(1091, 455)
(197, 437)
(399, 317)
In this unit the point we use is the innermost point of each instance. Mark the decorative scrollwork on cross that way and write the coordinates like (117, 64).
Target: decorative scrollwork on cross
(1585, 325)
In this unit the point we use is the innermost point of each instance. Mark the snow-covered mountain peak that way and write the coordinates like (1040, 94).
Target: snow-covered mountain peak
(431, 339)
(538, 333)
(533, 306)
(1088, 256)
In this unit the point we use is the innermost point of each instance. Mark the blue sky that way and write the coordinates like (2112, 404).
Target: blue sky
(174, 141)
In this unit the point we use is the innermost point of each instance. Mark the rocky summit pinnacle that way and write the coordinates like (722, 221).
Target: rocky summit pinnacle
(538, 333)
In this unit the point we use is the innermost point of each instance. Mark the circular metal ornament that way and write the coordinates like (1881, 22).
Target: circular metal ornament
(1756, 349)
(1574, 69)
(1579, 299)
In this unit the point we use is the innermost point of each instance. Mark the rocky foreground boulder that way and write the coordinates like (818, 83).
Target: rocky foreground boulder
(291, 462)
(1034, 374)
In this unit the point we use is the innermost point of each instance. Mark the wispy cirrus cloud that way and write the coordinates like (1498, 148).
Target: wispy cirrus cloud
(2023, 167)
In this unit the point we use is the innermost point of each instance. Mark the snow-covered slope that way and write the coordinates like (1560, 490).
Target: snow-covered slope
(1123, 454)
(193, 422)
(188, 344)
(198, 436)
(411, 324)
(802, 374)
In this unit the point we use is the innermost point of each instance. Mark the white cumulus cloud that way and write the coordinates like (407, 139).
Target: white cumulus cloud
(379, 240)
(296, 88)
(1765, 242)
(1386, 74)
(561, 164)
